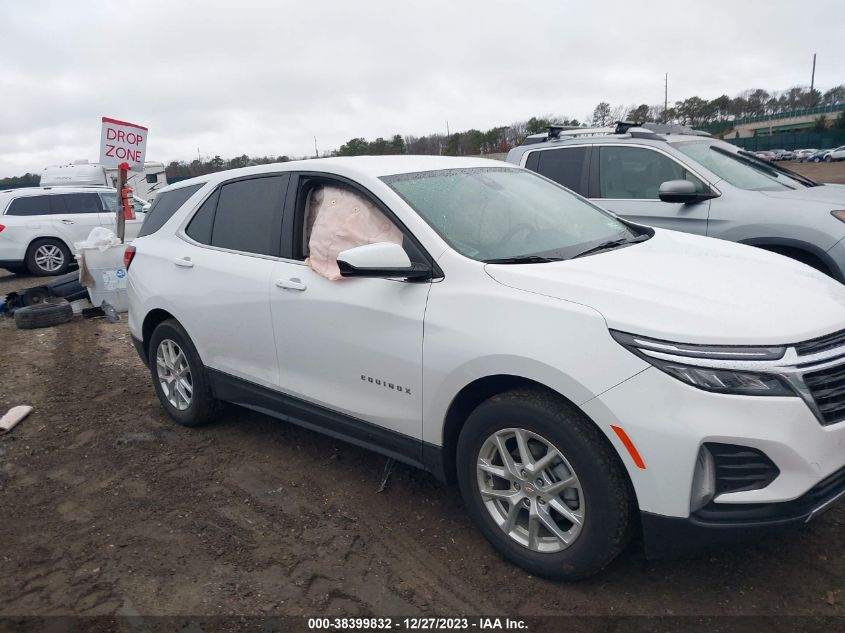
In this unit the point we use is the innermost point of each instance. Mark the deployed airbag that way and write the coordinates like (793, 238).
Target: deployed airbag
(339, 219)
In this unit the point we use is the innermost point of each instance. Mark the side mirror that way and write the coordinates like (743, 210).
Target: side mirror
(383, 259)
(682, 191)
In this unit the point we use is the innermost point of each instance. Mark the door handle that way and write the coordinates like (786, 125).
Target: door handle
(290, 284)
(185, 262)
(67, 221)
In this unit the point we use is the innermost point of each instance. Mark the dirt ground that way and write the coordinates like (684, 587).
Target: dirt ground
(820, 172)
(107, 507)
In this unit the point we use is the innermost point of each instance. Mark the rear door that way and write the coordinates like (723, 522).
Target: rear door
(568, 166)
(222, 266)
(626, 180)
(75, 215)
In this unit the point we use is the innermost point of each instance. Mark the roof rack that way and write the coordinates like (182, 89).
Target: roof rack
(555, 130)
(628, 129)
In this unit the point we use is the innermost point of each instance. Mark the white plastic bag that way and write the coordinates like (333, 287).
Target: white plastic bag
(100, 238)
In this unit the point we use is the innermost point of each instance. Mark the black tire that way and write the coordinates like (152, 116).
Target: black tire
(607, 493)
(56, 312)
(828, 159)
(56, 246)
(203, 407)
(34, 296)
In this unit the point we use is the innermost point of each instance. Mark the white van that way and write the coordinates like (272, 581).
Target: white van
(85, 174)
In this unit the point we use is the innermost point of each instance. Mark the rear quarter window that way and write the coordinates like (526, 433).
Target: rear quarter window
(164, 206)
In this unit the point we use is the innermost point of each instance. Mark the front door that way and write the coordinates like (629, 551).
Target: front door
(351, 345)
(628, 180)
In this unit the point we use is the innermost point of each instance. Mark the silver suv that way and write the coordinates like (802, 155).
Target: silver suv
(690, 182)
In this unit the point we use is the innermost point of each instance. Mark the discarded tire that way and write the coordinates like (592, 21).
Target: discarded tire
(44, 314)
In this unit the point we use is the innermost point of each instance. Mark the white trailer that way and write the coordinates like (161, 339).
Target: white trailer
(84, 174)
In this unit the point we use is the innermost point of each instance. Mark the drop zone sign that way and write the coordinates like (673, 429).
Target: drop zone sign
(122, 142)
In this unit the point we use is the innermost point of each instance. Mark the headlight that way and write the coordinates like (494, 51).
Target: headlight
(839, 215)
(700, 371)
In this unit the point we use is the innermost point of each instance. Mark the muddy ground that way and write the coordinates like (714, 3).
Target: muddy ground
(107, 507)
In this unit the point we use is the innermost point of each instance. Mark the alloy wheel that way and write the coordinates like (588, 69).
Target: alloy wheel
(530, 490)
(49, 258)
(174, 374)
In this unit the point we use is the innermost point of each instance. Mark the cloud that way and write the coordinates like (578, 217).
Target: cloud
(267, 77)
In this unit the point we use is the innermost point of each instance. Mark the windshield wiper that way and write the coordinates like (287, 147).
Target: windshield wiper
(604, 246)
(523, 259)
(792, 174)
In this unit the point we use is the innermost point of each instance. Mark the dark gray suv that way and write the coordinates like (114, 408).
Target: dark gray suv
(693, 183)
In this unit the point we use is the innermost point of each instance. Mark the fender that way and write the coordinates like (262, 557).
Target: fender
(812, 249)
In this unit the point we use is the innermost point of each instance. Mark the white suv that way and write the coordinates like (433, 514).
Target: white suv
(577, 374)
(39, 225)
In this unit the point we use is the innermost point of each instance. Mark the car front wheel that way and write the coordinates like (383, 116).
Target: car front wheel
(543, 485)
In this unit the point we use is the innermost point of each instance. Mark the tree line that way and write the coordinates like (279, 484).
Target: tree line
(693, 111)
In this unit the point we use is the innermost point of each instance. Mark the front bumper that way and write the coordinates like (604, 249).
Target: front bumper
(836, 260)
(721, 524)
(668, 421)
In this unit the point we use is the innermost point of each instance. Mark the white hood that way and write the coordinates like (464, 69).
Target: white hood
(692, 289)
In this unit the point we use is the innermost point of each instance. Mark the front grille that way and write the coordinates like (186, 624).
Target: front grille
(821, 344)
(828, 389)
(741, 468)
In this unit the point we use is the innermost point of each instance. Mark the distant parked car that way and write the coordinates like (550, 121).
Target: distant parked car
(817, 157)
(785, 154)
(38, 225)
(777, 154)
(765, 155)
(696, 184)
(802, 154)
(837, 153)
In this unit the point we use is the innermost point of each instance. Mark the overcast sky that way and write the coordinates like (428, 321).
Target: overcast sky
(264, 78)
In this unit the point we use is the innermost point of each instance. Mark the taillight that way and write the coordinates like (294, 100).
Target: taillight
(2, 227)
(128, 256)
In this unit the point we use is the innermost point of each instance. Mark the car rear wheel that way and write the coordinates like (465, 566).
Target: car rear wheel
(48, 256)
(544, 485)
(179, 377)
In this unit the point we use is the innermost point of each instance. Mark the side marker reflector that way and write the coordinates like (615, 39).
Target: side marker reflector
(632, 450)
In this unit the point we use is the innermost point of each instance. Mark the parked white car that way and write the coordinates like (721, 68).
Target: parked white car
(39, 225)
(577, 374)
(837, 153)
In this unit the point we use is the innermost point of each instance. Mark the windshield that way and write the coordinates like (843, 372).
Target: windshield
(500, 213)
(741, 171)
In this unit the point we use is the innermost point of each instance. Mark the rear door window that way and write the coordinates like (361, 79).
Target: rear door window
(78, 203)
(248, 216)
(164, 206)
(30, 205)
(567, 166)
